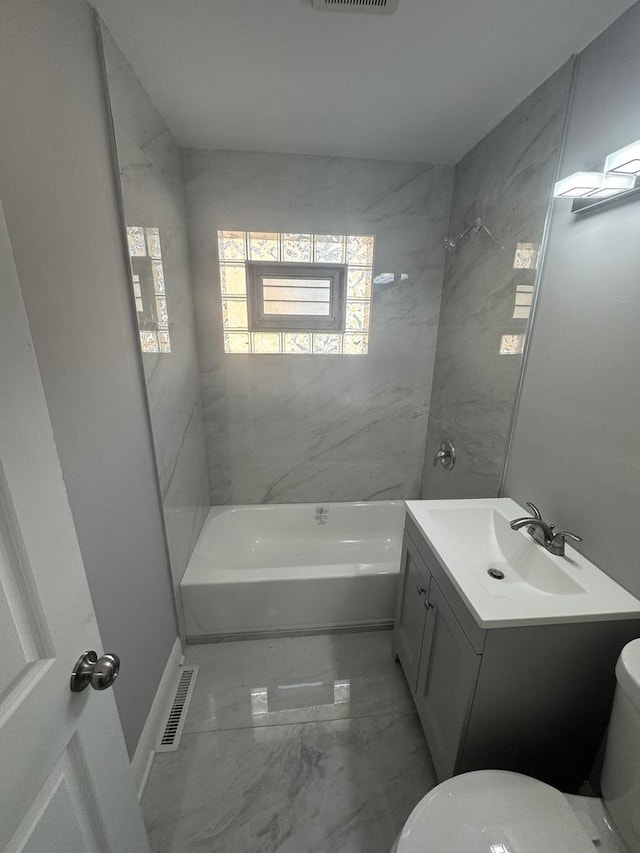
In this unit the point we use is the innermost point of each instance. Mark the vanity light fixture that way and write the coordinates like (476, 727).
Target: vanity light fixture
(625, 161)
(594, 185)
(619, 181)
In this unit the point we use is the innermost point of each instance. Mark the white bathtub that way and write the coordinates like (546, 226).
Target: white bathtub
(293, 568)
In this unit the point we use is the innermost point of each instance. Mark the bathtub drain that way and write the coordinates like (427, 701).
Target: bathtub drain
(322, 514)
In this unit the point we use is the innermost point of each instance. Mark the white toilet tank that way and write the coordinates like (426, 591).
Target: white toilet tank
(621, 770)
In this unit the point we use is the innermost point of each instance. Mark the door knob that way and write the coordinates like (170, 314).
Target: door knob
(100, 673)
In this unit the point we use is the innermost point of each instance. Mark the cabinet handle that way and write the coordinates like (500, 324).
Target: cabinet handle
(421, 590)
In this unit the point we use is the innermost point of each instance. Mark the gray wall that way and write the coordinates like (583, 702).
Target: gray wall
(506, 179)
(576, 446)
(57, 189)
(318, 427)
(150, 168)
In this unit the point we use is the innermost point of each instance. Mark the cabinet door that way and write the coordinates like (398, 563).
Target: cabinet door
(411, 613)
(446, 683)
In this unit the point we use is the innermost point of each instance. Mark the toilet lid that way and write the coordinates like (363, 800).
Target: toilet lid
(492, 811)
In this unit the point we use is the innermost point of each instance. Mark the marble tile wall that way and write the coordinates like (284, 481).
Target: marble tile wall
(305, 428)
(152, 187)
(506, 179)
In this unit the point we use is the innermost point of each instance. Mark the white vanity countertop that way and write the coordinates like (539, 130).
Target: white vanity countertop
(471, 536)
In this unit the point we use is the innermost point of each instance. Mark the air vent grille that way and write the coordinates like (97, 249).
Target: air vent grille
(169, 739)
(375, 7)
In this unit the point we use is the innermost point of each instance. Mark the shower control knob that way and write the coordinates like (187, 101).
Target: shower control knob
(446, 455)
(100, 673)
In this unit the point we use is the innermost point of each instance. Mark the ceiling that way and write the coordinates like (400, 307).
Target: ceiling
(425, 84)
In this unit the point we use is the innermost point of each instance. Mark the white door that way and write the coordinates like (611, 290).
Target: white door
(65, 781)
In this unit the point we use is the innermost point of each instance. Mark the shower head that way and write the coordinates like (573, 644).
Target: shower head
(452, 244)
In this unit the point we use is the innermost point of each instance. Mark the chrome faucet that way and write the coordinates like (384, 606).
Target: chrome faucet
(543, 532)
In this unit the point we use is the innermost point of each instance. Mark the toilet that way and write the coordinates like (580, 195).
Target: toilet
(494, 811)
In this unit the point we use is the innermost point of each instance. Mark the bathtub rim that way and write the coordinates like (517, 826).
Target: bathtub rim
(216, 512)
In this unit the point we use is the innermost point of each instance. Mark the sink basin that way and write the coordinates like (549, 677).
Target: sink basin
(485, 540)
(474, 543)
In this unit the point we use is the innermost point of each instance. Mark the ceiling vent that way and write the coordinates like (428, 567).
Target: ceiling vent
(373, 7)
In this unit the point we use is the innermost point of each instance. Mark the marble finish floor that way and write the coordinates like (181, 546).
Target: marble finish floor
(294, 745)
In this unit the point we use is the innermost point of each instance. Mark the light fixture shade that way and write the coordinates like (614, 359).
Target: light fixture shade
(625, 161)
(578, 185)
(593, 185)
(613, 184)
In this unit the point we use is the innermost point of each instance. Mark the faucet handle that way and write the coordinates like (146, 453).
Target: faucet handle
(516, 523)
(563, 535)
(534, 509)
(556, 545)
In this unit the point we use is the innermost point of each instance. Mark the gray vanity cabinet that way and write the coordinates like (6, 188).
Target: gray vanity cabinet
(409, 627)
(446, 682)
(533, 699)
(439, 663)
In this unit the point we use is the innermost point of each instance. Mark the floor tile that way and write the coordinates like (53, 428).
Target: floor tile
(343, 786)
(295, 679)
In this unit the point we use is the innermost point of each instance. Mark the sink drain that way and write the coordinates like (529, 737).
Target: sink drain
(495, 573)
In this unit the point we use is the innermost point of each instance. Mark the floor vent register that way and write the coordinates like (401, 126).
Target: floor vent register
(169, 739)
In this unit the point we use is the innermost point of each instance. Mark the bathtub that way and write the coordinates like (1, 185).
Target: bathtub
(293, 568)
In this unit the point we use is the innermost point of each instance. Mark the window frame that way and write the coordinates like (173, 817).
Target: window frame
(259, 321)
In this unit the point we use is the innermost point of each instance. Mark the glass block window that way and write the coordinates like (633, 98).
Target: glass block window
(295, 294)
(523, 302)
(511, 344)
(526, 256)
(149, 288)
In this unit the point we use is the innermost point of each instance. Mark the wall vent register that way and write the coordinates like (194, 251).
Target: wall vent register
(374, 7)
(295, 294)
